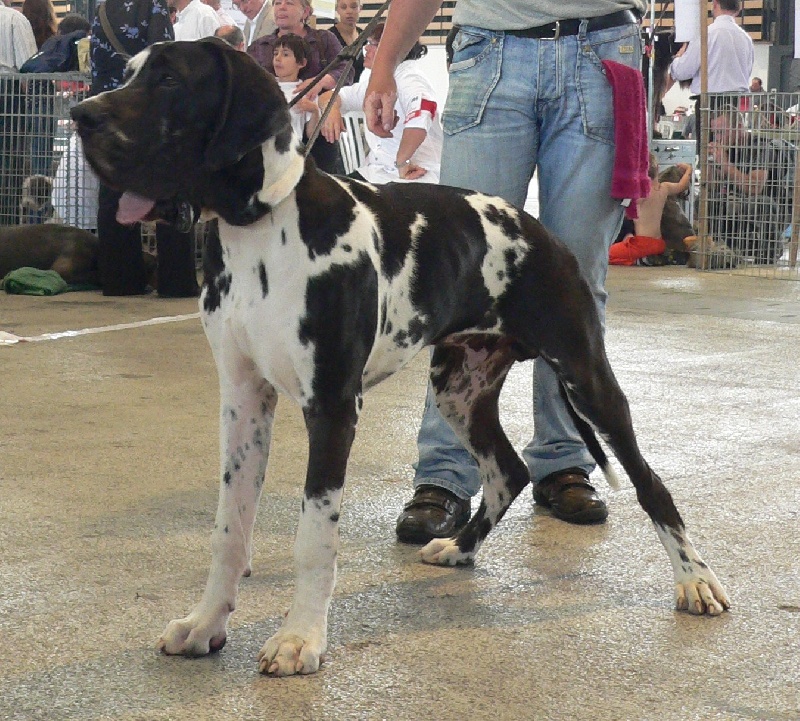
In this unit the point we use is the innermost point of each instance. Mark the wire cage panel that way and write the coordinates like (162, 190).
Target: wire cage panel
(748, 208)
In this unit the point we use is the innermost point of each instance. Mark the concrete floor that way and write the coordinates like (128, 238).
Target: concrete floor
(108, 465)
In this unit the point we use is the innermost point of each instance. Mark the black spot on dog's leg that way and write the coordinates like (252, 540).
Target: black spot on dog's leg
(262, 277)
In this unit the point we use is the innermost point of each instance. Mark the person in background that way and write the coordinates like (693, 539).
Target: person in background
(17, 41)
(414, 150)
(222, 14)
(347, 30)
(232, 35)
(40, 121)
(260, 19)
(291, 16)
(550, 110)
(646, 237)
(42, 16)
(730, 58)
(730, 54)
(195, 20)
(289, 58)
(17, 44)
(756, 86)
(136, 24)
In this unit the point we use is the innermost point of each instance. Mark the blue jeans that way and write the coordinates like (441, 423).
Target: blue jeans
(516, 105)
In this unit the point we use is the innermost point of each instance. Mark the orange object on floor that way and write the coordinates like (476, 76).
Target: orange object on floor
(628, 251)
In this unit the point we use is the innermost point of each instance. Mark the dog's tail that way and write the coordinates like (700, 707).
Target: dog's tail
(590, 440)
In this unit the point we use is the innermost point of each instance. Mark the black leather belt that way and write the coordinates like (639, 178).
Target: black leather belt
(553, 31)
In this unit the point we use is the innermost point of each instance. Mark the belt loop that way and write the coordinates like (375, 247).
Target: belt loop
(582, 28)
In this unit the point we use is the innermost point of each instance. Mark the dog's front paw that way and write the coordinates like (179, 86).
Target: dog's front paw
(287, 654)
(194, 635)
(698, 591)
(445, 552)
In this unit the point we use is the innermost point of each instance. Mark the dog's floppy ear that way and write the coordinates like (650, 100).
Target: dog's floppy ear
(252, 110)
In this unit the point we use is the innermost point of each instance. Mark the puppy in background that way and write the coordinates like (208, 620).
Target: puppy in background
(36, 205)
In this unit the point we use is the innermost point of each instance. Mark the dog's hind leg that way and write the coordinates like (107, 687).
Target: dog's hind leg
(467, 377)
(596, 397)
(300, 643)
(247, 410)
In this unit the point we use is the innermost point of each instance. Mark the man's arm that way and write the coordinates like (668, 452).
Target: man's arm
(687, 62)
(405, 23)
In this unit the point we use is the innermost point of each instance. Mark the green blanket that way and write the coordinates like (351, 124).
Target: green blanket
(32, 281)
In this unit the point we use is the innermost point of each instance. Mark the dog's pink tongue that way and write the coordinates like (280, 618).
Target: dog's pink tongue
(133, 208)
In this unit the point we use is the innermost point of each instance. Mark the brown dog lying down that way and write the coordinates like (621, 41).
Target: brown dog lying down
(71, 252)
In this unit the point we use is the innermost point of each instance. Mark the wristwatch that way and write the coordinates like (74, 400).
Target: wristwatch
(403, 164)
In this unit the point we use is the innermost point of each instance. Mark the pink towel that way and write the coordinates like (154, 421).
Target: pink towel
(629, 180)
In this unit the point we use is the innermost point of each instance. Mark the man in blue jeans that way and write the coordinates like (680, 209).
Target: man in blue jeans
(527, 92)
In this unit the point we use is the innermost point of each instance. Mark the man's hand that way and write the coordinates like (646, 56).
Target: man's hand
(379, 104)
(412, 171)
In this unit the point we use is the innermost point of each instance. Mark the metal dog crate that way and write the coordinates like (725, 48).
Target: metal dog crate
(43, 175)
(750, 220)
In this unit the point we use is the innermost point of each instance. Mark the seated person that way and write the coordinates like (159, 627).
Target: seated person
(415, 149)
(745, 190)
(289, 56)
(646, 239)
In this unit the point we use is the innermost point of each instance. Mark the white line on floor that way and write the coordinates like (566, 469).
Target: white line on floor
(11, 339)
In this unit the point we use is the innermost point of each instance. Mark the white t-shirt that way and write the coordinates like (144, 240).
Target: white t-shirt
(416, 107)
(299, 118)
(197, 20)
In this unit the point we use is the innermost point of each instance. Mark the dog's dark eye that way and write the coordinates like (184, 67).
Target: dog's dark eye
(167, 80)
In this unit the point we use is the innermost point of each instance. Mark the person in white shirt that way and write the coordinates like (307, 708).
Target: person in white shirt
(17, 42)
(196, 20)
(730, 54)
(414, 150)
(222, 15)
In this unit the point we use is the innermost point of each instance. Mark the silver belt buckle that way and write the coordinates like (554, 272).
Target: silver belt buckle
(557, 33)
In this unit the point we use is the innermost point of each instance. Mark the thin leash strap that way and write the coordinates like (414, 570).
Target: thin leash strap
(348, 54)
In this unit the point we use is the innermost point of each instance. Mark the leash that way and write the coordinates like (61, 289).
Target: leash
(349, 55)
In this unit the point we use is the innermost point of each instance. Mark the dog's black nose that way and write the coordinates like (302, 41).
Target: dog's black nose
(88, 116)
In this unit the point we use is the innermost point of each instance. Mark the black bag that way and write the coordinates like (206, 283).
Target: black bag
(59, 54)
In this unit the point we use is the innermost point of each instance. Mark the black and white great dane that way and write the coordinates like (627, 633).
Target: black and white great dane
(323, 286)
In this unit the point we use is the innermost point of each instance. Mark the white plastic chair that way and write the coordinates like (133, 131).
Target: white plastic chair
(351, 142)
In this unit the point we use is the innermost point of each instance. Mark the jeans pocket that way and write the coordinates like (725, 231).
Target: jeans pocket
(473, 75)
(621, 44)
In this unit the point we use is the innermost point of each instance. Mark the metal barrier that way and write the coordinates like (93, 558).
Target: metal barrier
(42, 171)
(748, 205)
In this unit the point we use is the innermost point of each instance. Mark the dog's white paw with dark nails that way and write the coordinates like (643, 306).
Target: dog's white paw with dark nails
(445, 552)
(288, 654)
(195, 635)
(700, 593)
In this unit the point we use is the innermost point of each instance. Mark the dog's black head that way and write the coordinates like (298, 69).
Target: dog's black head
(189, 122)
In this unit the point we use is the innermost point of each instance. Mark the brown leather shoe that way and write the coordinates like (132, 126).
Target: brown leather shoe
(570, 497)
(433, 512)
